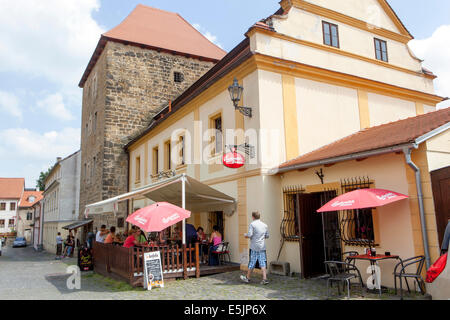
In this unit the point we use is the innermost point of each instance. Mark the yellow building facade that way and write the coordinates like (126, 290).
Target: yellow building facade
(304, 94)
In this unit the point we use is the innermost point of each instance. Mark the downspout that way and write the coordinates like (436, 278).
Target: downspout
(407, 152)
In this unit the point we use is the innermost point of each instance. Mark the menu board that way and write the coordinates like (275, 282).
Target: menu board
(153, 275)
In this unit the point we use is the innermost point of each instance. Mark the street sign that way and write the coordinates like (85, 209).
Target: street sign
(233, 160)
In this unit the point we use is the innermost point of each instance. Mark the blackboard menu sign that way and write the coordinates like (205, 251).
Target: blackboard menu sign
(153, 275)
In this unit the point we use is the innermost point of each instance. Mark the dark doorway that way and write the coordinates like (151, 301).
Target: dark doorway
(440, 180)
(311, 235)
(216, 219)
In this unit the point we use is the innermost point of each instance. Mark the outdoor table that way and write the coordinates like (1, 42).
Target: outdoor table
(374, 262)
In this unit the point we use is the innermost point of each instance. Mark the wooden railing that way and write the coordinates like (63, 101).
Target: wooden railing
(127, 263)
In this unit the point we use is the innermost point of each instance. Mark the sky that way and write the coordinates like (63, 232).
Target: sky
(45, 45)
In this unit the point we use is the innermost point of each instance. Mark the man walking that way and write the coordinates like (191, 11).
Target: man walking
(258, 232)
(59, 242)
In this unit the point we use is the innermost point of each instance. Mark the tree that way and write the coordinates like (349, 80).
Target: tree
(41, 181)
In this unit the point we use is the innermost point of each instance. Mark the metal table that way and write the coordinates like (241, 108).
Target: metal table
(374, 263)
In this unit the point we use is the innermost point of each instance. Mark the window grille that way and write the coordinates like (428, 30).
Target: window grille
(290, 230)
(357, 225)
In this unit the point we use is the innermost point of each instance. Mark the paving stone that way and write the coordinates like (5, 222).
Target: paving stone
(26, 274)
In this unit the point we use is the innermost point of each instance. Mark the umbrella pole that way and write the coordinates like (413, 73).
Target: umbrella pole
(324, 242)
(183, 202)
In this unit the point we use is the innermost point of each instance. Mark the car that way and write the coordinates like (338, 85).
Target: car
(19, 242)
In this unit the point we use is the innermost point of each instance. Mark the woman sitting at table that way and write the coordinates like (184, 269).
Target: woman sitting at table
(131, 241)
(140, 237)
(162, 237)
(214, 241)
(111, 237)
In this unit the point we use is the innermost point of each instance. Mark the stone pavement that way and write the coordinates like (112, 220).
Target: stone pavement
(26, 274)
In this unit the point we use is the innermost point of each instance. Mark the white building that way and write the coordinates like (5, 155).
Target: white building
(11, 190)
(61, 199)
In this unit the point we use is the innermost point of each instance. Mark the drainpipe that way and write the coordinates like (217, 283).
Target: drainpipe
(407, 152)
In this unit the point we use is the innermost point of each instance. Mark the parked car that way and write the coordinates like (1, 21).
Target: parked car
(19, 242)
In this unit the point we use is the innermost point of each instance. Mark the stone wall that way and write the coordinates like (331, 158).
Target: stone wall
(133, 85)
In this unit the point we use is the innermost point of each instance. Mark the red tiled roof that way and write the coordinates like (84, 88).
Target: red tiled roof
(11, 188)
(155, 28)
(383, 136)
(24, 203)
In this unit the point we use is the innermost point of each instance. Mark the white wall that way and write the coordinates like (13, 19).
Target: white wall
(8, 214)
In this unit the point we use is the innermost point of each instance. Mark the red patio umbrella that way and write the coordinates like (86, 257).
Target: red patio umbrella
(158, 217)
(362, 198)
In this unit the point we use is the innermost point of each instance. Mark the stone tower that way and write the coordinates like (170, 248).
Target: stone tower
(137, 68)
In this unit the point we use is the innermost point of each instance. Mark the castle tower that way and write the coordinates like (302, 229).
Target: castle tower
(137, 68)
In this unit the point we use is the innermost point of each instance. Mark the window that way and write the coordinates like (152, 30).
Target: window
(168, 154)
(178, 77)
(381, 50)
(137, 178)
(95, 121)
(155, 169)
(357, 226)
(217, 139)
(31, 199)
(11, 223)
(181, 154)
(330, 34)
(85, 171)
(3, 206)
(2, 223)
(29, 216)
(93, 167)
(12, 206)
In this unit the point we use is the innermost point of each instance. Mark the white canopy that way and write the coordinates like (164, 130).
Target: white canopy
(199, 197)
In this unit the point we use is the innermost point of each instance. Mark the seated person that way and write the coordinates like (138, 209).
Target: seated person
(162, 237)
(191, 235)
(69, 246)
(214, 241)
(140, 237)
(131, 241)
(201, 237)
(111, 237)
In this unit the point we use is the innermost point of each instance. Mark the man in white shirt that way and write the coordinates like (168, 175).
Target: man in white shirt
(59, 243)
(101, 234)
(258, 232)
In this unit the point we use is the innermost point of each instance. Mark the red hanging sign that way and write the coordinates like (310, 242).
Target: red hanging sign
(233, 160)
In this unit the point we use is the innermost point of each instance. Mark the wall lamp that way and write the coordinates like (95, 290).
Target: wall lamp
(236, 96)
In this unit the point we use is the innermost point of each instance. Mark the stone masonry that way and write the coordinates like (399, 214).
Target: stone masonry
(125, 89)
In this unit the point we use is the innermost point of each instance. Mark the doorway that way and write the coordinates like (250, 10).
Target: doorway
(319, 234)
(216, 219)
(440, 180)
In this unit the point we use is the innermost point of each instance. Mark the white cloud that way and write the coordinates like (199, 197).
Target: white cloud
(208, 35)
(435, 50)
(54, 105)
(53, 39)
(10, 104)
(24, 143)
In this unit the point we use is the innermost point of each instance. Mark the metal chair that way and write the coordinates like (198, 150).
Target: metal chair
(346, 256)
(419, 261)
(343, 272)
(221, 251)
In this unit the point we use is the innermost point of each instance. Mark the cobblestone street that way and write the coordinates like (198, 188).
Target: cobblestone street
(26, 275)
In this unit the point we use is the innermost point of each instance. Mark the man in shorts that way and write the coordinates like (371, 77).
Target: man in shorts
(258, 232)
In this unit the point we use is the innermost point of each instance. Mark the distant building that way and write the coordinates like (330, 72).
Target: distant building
(11, 190)
(61, 198)
(37, 239)
(137, 68)
(25, 214)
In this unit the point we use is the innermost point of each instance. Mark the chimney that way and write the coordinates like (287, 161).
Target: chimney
(58, 159)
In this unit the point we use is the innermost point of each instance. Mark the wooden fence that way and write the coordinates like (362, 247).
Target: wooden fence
(127, 263)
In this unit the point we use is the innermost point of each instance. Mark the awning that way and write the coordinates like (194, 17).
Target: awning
(77, 224)
(199, 197)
